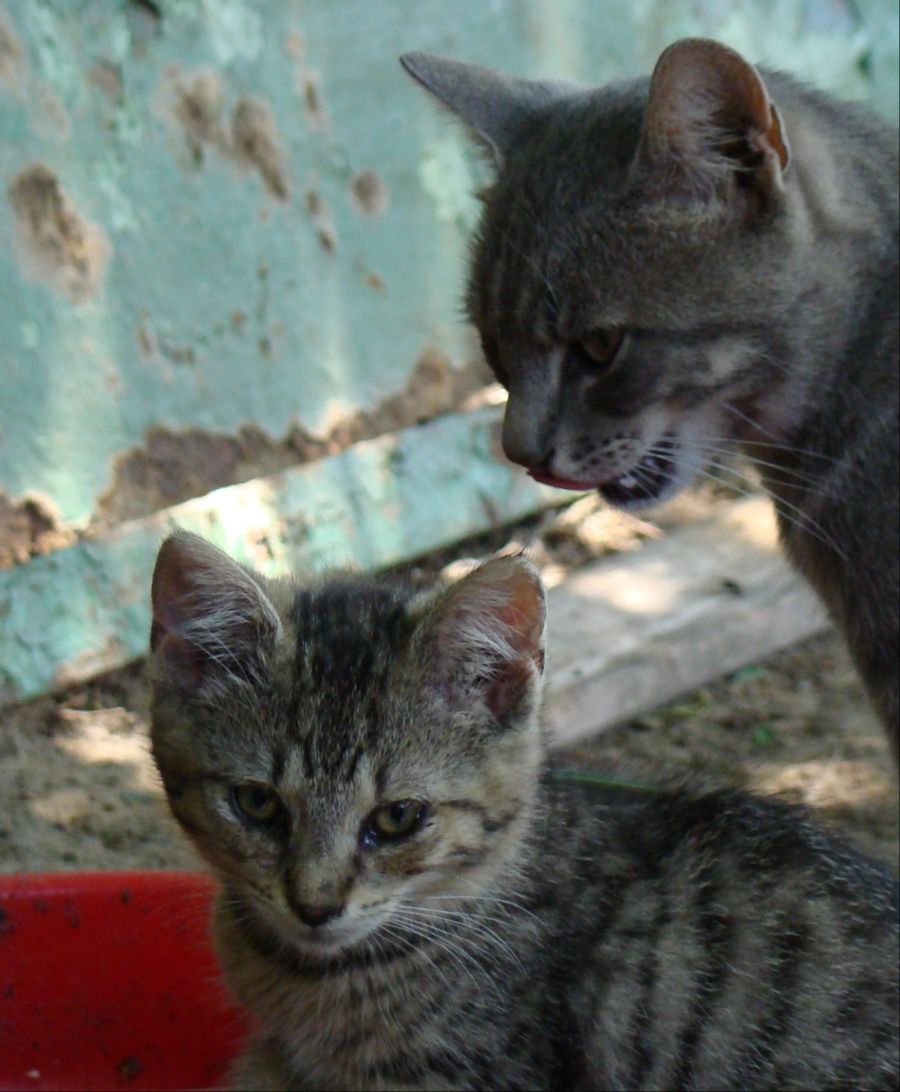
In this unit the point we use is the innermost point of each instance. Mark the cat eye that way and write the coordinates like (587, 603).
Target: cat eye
(255, 804)
(394, 821)
(603, 345)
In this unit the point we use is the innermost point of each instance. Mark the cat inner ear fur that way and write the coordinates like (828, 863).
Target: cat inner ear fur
(492, 104)
(211, 619)
(487, 632)
(711, 133)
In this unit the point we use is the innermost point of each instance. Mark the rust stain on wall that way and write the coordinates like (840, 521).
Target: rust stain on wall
(312, 101)
(56, 244)
(195, 104)
(370, 194)
(106, 76)
(174, 465)
(306, 82)
(146, 340)
(320, 216)
(257, 145)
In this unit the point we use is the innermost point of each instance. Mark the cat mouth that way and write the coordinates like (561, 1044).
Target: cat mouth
(560, 483)
(645, 482)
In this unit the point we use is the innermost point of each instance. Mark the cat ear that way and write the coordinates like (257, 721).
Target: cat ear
(710, 132)
(210, 617)
(488, 630)
(492, 104)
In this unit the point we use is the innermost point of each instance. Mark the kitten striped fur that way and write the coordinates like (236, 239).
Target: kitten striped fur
(525, 932)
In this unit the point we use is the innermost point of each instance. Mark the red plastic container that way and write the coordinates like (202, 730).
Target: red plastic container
(108, 981)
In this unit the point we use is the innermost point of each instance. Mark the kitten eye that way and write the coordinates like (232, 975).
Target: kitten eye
(603, 344)
(394, 821)
(255, 804)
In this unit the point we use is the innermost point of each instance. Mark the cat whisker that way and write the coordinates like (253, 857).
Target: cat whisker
(469, 921)
(513, 904)
(399, 936)
(739, 444)
(802, 480)
(789, 512)
(461, 959)
(441, 929)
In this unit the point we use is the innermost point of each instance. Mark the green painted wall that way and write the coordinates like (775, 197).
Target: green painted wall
(180, 240)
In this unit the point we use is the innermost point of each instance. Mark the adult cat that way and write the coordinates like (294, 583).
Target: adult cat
(667, 266)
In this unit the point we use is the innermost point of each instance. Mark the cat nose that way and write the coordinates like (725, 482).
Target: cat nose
(314, 914)
(524, 442)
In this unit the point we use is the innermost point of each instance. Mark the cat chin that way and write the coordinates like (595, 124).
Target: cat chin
(615, 499)
(621, 494)
(322, 943)
(324, 946)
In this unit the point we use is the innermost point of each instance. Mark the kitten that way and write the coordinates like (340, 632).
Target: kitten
(666, 267)
(409, 900)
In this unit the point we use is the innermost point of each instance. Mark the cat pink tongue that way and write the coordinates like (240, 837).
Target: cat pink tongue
(561, 483)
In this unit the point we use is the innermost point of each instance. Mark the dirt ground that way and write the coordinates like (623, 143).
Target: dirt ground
(78, 790)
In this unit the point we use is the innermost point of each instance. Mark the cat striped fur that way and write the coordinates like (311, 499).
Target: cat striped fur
(411, 900)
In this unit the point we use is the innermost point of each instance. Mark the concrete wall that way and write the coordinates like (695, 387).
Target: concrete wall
(232, 235)
(219, 213)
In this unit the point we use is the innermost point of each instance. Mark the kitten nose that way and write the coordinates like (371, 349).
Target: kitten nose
(317, 914)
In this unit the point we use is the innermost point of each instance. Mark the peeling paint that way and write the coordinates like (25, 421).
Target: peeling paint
(56, 244)
(134, 107)
(235, 29)
(174, 465)
(85, 609)
(448, 179)
(28, 528)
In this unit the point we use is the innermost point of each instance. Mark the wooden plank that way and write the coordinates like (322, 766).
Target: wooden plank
(631, 632)
(625, 634)
(85, 609)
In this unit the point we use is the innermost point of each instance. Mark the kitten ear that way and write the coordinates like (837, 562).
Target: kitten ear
(493, 104)
(488, 630)
(210, 617)
(710, 132)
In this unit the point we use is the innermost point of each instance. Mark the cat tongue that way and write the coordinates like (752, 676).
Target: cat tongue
(561, 483)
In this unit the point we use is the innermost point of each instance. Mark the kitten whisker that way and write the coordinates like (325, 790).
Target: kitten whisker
(468, 920)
